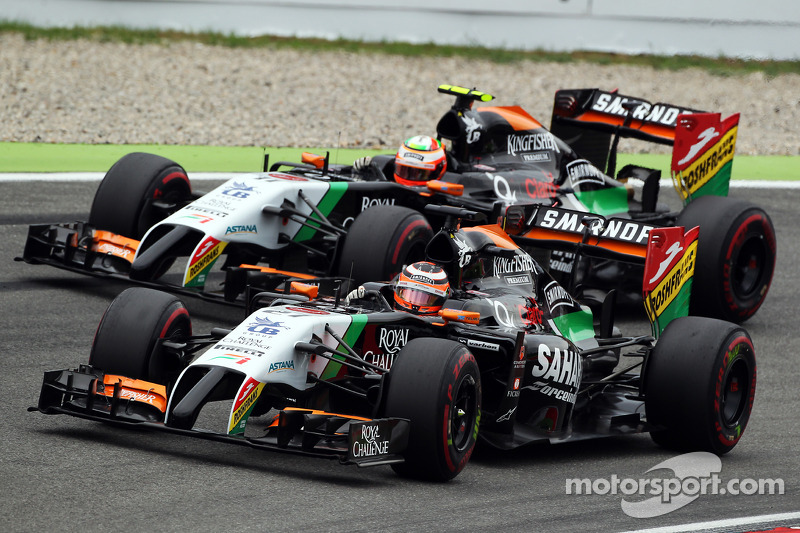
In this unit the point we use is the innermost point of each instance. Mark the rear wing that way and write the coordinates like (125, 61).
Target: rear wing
(667, 253)
(591, 121)
(668, 273)
(580, 232)
(612, 113)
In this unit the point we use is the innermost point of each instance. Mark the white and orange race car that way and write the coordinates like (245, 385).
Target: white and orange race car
(511, 359)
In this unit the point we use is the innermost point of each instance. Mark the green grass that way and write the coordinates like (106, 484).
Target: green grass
(719, 66)
(745, 167)
(41, 157)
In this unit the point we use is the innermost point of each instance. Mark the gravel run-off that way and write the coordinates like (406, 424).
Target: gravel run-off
(193, 94)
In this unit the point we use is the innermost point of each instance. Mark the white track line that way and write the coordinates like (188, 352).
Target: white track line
(731, 522)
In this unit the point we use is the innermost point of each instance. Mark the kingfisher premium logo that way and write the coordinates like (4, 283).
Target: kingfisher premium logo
(532, 142)
(513, 265)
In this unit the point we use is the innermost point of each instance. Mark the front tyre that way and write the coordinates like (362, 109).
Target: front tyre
(381, 241)
(700, 381)
(126, 342)
(735, 257)
(138, 191)
(435, 383)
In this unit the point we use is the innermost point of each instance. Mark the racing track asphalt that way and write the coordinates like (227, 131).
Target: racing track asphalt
(60, 473)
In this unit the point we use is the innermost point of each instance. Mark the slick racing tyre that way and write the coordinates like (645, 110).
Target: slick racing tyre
(735, 257)
(126, 340)
(435, 384)
(138, 191)
(381, 241)
(699, 385)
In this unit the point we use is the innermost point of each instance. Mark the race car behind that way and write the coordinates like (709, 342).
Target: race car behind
(315, 220)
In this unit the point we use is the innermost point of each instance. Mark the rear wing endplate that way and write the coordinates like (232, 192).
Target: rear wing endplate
(702, 156)
(668, 272)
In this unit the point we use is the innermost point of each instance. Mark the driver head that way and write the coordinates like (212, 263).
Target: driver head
(419, 159)
(421, 288)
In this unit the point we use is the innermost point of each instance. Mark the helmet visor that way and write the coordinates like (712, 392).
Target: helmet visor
(414, 174)
(417, 297)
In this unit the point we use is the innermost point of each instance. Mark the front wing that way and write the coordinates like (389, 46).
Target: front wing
(79, 248)
(84, 393)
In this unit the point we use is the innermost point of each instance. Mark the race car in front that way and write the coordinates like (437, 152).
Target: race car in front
(510, 359)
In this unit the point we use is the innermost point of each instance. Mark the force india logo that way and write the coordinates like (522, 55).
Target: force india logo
(532, 142)
(669, 287)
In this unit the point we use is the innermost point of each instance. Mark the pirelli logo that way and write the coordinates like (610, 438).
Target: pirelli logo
(668, 288)
(710, 163)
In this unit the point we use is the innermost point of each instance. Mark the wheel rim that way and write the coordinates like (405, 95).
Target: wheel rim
(748, 268)
(463, 414)
(736, 392)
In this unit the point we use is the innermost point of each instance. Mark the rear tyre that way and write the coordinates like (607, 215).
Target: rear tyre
(735, 257)
(435, 384)
(126, 339)
(699, 385)
(381, 241)
(138, 191)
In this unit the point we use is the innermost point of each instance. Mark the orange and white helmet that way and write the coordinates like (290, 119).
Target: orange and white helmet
(422, 288)
(419, 159)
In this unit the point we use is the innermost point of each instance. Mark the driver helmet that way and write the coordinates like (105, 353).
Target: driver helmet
(421, 288)
(418, 160)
